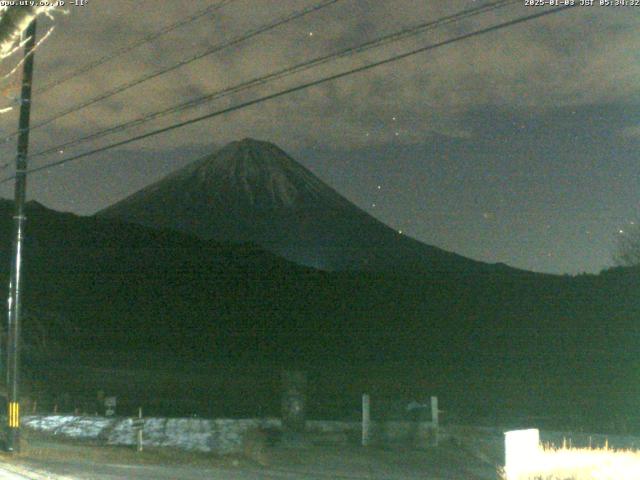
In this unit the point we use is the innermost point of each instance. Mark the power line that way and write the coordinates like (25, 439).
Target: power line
(377, 42)
(182, 63)
(132, 46)
(300, 87)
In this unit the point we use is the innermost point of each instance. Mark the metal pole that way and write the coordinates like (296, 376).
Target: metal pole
(366, 420)
(13, 341)
(435, 420)
(435, 413)
(140, 427)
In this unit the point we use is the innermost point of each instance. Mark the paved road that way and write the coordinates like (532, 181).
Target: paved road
(113, 472)
(146, 472)
(85, 471)
(59, 461)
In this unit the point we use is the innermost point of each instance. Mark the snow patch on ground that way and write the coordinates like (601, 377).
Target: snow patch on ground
(69, 425)
(219, 436)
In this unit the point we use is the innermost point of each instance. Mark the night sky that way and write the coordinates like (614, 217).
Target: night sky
(519, 146)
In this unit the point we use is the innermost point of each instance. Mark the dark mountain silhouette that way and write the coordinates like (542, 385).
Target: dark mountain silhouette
(252, 191)
(117, 295)
(120, 296)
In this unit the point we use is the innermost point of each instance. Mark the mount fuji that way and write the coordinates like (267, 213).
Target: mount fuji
(251, 191)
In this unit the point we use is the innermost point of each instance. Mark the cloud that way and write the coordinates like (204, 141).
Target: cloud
(573, 58)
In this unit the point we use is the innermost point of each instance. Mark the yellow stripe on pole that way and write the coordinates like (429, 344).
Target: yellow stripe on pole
(14, 414)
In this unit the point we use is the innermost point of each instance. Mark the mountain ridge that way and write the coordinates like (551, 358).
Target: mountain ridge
(107, 291)
(253, 191)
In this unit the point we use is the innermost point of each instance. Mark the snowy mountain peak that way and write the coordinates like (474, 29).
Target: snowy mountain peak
(255, 173)
(242, 177)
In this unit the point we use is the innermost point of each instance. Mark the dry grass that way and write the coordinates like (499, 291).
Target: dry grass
(580, 464)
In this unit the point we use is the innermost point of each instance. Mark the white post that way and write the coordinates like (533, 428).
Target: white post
(140, 430)
(435, 419)
(434, 411)
(366, 419)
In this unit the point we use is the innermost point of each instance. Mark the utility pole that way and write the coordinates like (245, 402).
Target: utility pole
(14, 303)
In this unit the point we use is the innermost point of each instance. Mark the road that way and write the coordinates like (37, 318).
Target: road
(52, 459)
(152, 472)
(75, 470)
(148, 472)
